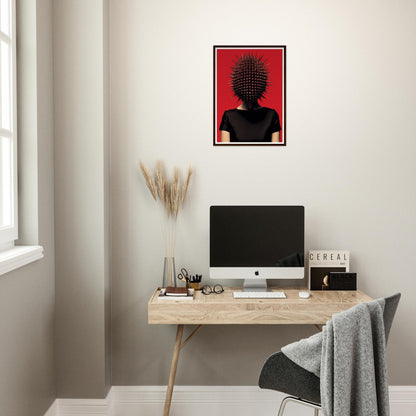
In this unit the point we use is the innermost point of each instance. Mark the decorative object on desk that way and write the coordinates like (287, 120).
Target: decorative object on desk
(217, 289)
(342, 281)
(171, 195)
(325, 283)
(322, 262)
(169, 271)
(186, 296)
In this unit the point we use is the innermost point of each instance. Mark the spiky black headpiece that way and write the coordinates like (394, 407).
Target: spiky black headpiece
(249, 78)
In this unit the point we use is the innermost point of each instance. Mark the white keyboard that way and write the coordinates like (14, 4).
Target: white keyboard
(259, 295)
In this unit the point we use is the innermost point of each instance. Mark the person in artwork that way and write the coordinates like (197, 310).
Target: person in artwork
(250, 122)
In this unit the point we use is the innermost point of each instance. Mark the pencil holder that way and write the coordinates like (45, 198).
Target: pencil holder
(196, 286)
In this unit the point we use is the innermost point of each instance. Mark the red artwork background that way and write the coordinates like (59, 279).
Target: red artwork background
(224, 96)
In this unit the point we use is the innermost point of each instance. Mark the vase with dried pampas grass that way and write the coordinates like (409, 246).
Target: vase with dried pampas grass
(170, 197)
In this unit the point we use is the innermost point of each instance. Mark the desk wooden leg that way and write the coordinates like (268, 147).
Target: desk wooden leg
(173, 367)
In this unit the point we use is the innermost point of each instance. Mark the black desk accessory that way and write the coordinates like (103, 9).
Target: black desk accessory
(342, 281)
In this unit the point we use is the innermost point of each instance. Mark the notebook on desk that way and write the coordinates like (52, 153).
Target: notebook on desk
(169, 298)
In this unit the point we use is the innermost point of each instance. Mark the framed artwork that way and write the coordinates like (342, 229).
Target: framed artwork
(250, 95)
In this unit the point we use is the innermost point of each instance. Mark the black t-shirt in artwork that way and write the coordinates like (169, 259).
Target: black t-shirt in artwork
(251, 125)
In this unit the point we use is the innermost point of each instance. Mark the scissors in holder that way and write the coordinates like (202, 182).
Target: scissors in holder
(184, 275)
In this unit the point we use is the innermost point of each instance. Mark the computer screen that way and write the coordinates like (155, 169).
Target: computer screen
(257, 242)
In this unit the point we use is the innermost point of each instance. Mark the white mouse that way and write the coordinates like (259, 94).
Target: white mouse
(304, 295)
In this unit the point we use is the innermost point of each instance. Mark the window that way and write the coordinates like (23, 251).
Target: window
(11, 256)
(8, 140)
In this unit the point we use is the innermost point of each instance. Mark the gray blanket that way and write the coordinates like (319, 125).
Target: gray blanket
(349, 357)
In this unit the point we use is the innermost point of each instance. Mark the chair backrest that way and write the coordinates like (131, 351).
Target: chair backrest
(389, 311)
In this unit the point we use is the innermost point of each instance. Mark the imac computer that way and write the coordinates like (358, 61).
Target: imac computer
(256, 243)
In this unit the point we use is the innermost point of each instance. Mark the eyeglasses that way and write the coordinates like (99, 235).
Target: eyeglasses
(207, 290)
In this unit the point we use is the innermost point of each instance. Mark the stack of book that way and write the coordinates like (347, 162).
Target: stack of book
(324, 262)
(176, 293)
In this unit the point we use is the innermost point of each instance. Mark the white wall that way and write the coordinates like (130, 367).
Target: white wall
(351, 100)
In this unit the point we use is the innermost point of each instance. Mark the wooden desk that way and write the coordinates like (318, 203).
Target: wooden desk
(216, 309)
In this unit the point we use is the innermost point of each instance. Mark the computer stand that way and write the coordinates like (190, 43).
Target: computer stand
(255, 285)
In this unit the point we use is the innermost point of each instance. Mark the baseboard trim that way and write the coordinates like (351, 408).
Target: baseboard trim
(192, 394)
(53, 409)
(402, 400)
(204, 401)
(86, 407)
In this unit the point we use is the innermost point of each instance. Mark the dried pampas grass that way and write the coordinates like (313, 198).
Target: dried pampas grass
(171, 196)
(175, 193)
(160, 181)
(166, 199)
(149, 180)
(186, 184)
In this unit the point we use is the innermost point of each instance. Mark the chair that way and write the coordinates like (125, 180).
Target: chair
(282, 374)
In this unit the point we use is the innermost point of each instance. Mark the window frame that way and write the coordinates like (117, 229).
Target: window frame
(8, 234)
(14, 256)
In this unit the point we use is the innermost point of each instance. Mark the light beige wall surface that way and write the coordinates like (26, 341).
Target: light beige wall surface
(351, 100)
(27, 295)
(81, 199)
